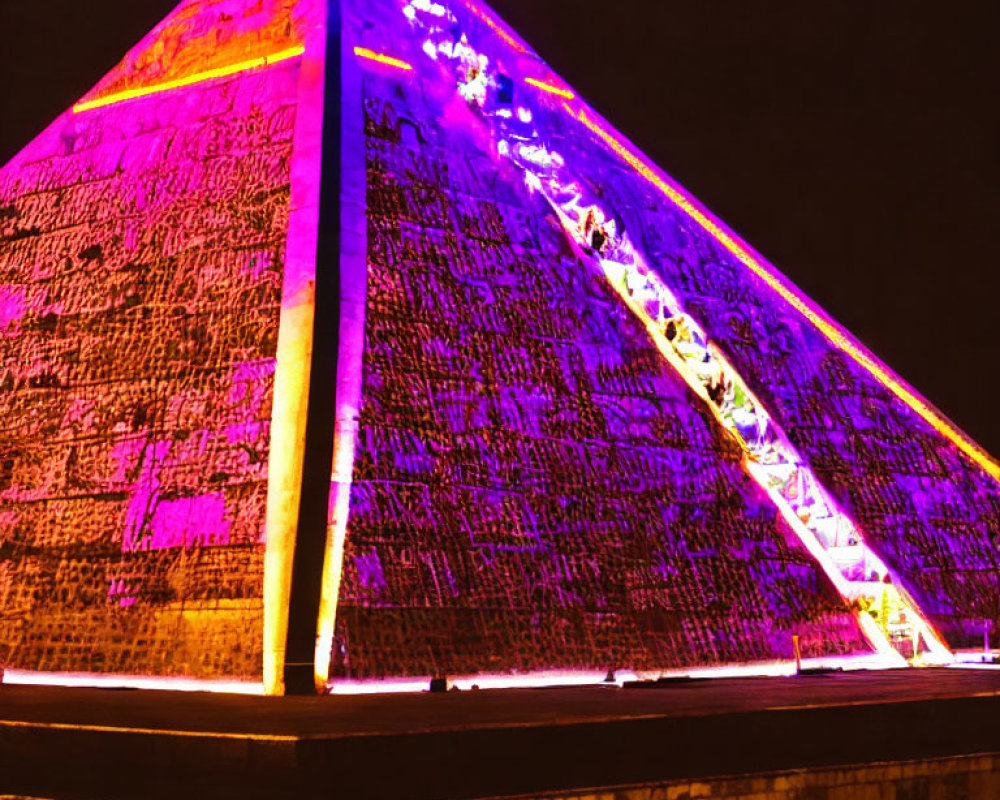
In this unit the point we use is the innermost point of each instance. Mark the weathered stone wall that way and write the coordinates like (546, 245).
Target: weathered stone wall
(141, 255)
(534, 488)
(927, 509)
(930, 512)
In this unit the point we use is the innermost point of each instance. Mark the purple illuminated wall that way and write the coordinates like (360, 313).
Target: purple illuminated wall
(929, 511)
(533, 487)
(141, 255)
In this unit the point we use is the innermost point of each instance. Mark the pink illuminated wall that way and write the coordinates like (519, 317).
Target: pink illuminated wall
(533, 489)
(142, 252)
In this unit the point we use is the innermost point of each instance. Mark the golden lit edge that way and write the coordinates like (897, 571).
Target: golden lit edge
(353, 303)
(295, 342)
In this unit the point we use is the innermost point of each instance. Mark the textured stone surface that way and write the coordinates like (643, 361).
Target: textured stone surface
(141, 254)
(534, 488)
(199, 36)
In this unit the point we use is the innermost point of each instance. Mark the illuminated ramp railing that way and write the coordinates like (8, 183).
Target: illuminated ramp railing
(887, 614)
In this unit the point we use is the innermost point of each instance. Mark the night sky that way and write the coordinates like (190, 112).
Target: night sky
(851, 142)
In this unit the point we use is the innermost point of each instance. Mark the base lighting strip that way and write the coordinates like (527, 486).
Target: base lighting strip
(199, 77)
(495, 26)
(65, 726)
(82, 680)
(541, 680)
(835, 336)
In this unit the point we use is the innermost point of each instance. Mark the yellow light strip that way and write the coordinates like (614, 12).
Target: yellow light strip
(548, 87)
(515, 45)
(207, 75)
(284, 485)
(972, 450)
(65, 726)
(382, 58)
(290, 403)
(91, 680)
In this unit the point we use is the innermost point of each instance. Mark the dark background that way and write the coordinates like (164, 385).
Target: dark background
(852, 142)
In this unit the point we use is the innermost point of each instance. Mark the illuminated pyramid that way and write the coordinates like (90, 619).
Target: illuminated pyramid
(575, 424)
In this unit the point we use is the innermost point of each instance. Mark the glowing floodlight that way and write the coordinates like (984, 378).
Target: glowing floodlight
(382, 58)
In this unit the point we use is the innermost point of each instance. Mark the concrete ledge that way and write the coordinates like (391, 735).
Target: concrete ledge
(479, 745)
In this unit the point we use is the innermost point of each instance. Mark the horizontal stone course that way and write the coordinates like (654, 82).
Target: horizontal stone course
(975, 777)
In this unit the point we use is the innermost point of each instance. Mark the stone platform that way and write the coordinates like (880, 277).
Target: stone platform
(109, 744)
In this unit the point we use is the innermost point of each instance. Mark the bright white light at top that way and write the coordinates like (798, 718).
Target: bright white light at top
(524, 114)
(436, 9)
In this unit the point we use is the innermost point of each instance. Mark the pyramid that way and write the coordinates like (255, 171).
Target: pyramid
(345, 343)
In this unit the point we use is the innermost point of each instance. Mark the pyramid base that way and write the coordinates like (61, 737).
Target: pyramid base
(485, 744)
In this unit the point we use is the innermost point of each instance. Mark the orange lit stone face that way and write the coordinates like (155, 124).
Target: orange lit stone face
(142, 252)
(201, 36)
